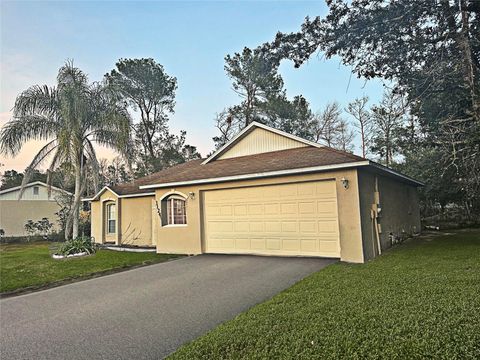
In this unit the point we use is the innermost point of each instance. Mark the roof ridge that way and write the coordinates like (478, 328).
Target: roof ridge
(352, 155)
(265, 152)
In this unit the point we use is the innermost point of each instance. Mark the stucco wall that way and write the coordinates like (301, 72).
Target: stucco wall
(189, 239)
(98, 218)
(14, 214)
(133, 215)
(96, 221)
(136, 220)
(400, 212)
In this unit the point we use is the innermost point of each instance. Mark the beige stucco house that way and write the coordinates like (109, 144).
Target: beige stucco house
(35, 203)
(265, 192)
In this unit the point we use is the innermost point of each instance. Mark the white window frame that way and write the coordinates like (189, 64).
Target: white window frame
(36, 190)
(170, 211)
(108, 206)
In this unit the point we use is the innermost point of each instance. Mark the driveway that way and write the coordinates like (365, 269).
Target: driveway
(145, 313)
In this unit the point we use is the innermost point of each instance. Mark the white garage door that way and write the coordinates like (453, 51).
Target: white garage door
(287, 219)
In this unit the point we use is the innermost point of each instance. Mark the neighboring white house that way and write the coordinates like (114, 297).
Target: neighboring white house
(34, 204)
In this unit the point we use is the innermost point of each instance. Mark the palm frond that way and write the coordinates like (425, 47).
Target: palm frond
(71, 76)
(37, 161)
(22, 129)
(37, 99)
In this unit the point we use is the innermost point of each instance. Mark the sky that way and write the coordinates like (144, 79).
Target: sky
(189, 38)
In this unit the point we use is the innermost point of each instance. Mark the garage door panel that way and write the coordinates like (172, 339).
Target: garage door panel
(291, 244)
(327, 207)
(257, 227)
(273, 244)
(272, 209)
(242, 243)
(226, 210)
(212, 210)
(289, 226)
(273, 226)
(228, 243)
(328, 227)
(306, 189)
(221, 227)
(309, 245)
(255, 209)
(257, 244)
(290, 208)
(287, 219)
(307, 227)
(328, 246)
(326, 188)
(306, 208)
(242, 226)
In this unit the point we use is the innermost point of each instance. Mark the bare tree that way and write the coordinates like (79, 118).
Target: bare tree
(326, 124)
(363, 121)
(228, 126)
(388, 118)
(344, 137)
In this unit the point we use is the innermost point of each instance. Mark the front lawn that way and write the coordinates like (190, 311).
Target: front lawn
(419, 300)
(30, 265)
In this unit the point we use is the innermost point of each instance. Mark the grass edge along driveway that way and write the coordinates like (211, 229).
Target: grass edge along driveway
(419, 300)
(27, 267)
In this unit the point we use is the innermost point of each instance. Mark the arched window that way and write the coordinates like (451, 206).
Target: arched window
(111, 218)
(174, 210)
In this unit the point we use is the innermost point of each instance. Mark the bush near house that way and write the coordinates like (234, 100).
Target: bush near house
(421, 300)
(42, 227)
(75, 246)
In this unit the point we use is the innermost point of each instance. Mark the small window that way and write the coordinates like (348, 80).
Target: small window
(111, 218)
(35, 190)
(174, 211)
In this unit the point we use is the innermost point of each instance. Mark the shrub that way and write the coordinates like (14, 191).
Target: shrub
(78, 245)
(41, 227)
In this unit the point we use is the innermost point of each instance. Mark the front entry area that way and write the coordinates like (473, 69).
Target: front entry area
(295, 219)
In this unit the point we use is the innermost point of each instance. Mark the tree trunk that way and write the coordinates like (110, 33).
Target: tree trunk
(462, 38)
(76, 200)
(470, 68)
(362, 132)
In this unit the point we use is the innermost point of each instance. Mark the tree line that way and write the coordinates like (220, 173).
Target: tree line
(428, 123)
(127, 111)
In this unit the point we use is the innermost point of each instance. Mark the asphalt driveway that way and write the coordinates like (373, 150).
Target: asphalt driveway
(145, 313)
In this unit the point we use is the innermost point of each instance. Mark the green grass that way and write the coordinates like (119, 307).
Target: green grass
(419, 300)
(30, 265)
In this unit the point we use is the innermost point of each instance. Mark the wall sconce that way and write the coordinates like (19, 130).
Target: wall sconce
(344, 182)
(191, 195)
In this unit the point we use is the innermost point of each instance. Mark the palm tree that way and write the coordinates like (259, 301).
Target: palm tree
(70, 118)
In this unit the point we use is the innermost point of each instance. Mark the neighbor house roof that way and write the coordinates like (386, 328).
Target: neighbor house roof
(34, 183)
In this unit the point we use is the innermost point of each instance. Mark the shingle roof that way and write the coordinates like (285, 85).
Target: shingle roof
(290, 159)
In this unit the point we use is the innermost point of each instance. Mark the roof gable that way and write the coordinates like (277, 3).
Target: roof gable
(257, 139)
(14, 192)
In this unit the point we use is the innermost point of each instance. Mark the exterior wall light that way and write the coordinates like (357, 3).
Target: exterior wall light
(345, 182)
(191, 195)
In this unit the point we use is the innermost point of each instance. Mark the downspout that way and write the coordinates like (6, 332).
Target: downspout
(375, 214)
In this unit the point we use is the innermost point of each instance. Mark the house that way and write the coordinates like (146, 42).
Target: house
(265, 192)
(35, 204)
